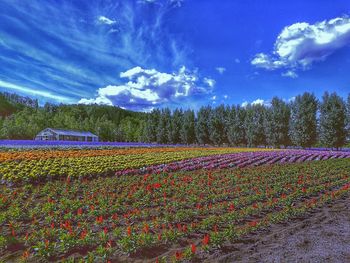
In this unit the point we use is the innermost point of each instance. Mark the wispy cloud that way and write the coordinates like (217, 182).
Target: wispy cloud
(221, 70)
(59, 47)
(290, 74)
(13, 87)
(106, 20)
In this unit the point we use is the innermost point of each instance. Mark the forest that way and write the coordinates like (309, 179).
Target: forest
(303, 122)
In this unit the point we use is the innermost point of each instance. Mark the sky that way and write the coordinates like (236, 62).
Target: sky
(146, 54)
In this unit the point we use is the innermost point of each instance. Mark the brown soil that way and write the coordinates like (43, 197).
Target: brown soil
(322, 235)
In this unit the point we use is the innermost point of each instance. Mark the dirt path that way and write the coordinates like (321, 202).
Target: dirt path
(322, 235)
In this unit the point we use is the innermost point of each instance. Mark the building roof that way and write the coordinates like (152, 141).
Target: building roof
(72, 133)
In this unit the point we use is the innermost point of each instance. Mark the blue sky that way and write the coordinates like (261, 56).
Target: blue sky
(144, 54)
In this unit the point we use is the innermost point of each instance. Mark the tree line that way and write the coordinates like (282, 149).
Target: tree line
(304, 122)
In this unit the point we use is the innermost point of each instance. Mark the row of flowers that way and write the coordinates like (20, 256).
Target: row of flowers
(239, 160)
(192, 212)
(46, 165)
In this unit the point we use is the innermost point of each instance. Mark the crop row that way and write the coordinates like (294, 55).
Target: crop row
(44, 154)
(38, 166)
(240, 160)
(147, 217)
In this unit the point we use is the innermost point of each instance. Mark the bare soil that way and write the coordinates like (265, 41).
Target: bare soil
(322, 235)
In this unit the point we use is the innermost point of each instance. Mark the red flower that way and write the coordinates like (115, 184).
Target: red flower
(83, 234)
(253, 223)
(115, 217)
(206, 240)
(157, 185)
(80, 211)
(193, 248)
(178, 255)
(99, 220)
(232, 207)
(146, 228)
(105, 230)
(129, 230)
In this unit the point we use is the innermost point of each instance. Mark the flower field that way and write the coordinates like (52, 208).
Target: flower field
(39, 165)
(156, 205)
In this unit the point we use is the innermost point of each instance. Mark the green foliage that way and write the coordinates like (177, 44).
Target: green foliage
(187, 132)
(254, 125)
(201, 128)
(332, 121)
(303, 122)
(217, 125)
(235, 126)
(277, 122)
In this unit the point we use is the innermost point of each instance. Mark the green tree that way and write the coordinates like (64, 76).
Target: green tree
(151, 125)
(277, 123)
(235, 128)
(254, 125)
(217, 125)
(348, 116)
(174, 134)
(163, 126)
(332, 121)
(201, 126)
(187, 133)
(303, 123)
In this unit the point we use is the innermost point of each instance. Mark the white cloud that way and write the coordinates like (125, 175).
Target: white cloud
(45, 94)
(221, 70)
(146, 88)
(301, 44)
(245, 104)
(258, 102)
(225, 96)
(290, 74)
(237, 61)
(214, 97)
(210, 82)
(106, 20)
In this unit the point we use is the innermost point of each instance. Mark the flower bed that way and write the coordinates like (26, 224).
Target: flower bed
(160, 216)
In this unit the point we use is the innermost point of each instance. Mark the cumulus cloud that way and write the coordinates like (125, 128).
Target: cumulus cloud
(221, 70)
(245, 104)
(106, 20)
(290, 74)
(256, 102)
(301, 44)
(237, 60)
(148, 88)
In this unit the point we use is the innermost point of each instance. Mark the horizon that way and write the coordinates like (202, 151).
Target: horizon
(146, 54)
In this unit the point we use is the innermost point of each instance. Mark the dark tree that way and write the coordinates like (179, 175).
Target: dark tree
(202, 129)
(277, 123)
(217, 125)
(187, 133)
(254, 125)
(175, 127)
(235, 126)
(163, 126)
(151, 125)
(348, 116)
(332, 121)
(303, 123)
